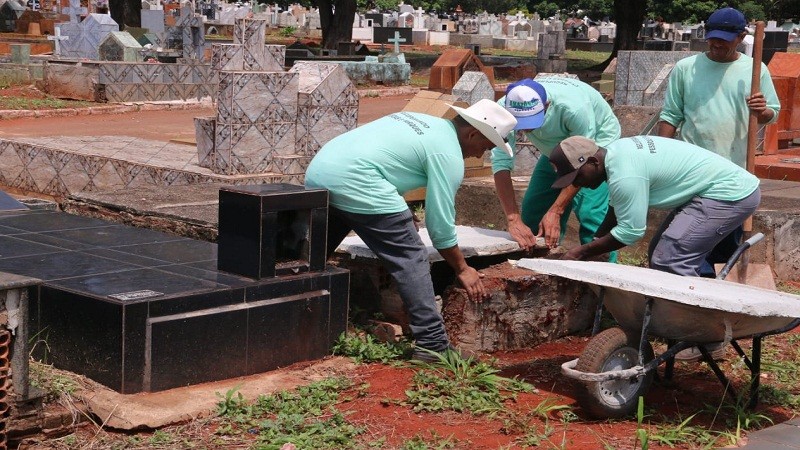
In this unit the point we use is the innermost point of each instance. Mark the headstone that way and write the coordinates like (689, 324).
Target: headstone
(472, 87)
(75, 11)
(120, 46)
(20, 53)
(327, 106)
(83, 39)
(153, 20)
(28, 18)
(57, 38)
(10, 11)
(449, 68)
(381, 35)
(396, 41)
(636, 72)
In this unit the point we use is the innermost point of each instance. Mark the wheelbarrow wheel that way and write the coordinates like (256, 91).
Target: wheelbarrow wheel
(611, 350)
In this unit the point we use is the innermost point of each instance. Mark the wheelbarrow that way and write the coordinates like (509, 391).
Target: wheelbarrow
(618, 365)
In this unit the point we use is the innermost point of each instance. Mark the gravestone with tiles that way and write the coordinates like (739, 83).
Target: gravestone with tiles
(120, 46)
(10, 12)
(269, 120)
(642, 76)
(472, 87)
(141, 311)
(83, 39)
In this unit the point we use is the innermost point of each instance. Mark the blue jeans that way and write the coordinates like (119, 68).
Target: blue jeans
(396, 242)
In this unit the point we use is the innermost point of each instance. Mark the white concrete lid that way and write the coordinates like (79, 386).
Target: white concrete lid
(472, 242)
(702, 292)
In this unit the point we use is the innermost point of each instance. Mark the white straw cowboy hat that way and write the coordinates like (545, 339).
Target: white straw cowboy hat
(492, 120)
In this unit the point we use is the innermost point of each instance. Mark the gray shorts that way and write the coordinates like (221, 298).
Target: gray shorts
(691, 231)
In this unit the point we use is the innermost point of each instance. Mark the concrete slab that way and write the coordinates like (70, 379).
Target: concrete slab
(158, 409)
(777, 437)
(703, 292)
(472, 242)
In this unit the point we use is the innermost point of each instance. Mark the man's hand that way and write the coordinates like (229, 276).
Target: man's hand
(758, 106)
(470, 279)
(576, 254)
(550, 228)
(521, 233)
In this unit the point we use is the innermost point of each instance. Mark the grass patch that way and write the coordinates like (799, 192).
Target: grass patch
(55, 383)
(18, 103)
(460, 385)
(363, 348)
(582, 60)
(306, 418)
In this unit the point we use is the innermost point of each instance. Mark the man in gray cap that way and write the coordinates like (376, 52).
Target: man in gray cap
(709, 196)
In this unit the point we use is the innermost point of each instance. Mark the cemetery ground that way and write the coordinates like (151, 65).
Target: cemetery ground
(371, 396)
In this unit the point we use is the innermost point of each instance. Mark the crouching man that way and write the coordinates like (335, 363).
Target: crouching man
(709, 196)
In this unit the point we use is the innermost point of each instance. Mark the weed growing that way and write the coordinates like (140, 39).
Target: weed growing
(363, 348)
(306, 418)
(53, 382)
(461, 385)
(434, 442)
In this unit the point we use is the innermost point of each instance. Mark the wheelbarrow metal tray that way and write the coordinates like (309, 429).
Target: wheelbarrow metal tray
(688, 309)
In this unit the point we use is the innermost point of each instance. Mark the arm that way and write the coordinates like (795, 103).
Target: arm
(609, 222)
(505, 192)
(666, 129)
(469, 278)
(597, 247)
(550, 226)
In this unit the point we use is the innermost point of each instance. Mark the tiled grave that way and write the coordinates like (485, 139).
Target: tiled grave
(62, 165)
(140, 310)
(82, 39)
(641, 76)
(119, 46)
(136, 82)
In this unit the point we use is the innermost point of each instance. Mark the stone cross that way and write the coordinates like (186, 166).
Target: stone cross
(57, 38)
(74, 10)
(396, 41)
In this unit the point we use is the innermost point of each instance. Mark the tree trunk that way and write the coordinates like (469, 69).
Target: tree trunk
(126, 12)
(628, 15)
(336, 19)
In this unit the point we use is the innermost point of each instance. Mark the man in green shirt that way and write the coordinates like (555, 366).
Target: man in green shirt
(708, 97)
(550, 110)
(367, 170)
(709, 196)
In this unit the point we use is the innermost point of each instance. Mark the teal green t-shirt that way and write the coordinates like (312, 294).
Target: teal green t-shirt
(576, 109)
(368, 169)
(652, 171)
(706, 99)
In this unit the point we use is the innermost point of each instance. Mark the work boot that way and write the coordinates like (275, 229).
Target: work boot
(432, 357)
(692, 354)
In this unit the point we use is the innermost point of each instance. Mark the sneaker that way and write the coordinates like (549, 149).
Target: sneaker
(692, 354)
(431, 357)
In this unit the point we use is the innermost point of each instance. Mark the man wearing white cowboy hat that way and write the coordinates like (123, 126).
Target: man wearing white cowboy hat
(549, 110)
(368, 169)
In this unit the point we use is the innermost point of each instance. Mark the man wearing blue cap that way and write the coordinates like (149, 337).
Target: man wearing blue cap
(550, 110)
(708, 97)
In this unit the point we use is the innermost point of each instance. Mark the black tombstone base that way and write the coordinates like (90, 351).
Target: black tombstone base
(139, 310)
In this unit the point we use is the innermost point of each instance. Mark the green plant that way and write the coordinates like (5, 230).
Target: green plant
(547, 407)
(642, 436)
(160, 437)
(364, 348)
(632, 258)
(458, 384)
(287, 31)
(535, 436)
(53, 382)
(435, 442)
(673, 435)
(306, 417)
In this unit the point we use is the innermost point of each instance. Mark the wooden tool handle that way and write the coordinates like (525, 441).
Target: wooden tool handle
(752, 126)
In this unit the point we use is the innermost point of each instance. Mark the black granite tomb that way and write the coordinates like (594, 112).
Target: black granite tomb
(381, 35)
(140, 310)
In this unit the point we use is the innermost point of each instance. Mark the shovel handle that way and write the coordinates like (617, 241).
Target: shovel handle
(756, 238)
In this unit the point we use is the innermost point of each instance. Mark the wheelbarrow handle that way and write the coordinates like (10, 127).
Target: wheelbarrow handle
(756, 238)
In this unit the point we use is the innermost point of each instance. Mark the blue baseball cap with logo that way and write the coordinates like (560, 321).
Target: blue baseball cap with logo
(725, 24)
(526, 101)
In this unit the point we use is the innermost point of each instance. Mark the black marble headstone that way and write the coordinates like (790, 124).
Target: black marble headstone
(272, 229)
(140, 310)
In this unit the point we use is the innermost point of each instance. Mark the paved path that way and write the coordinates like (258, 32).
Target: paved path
(783, 436)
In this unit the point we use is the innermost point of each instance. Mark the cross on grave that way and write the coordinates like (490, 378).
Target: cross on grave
(74, 10)
(57, 38)
(396, 41)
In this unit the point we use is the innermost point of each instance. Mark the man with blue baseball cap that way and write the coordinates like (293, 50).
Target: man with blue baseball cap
(708, 97)
(548, 111)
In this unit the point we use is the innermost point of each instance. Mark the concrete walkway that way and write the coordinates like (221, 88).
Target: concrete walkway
(783, 436)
